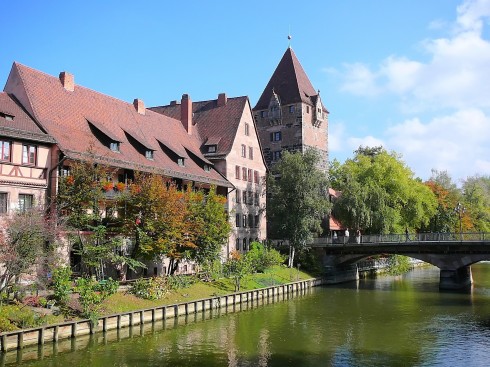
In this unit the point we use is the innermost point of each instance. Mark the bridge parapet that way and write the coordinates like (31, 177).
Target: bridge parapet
(465, 237)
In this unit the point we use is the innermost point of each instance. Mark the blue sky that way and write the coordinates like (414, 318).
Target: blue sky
(412, 75)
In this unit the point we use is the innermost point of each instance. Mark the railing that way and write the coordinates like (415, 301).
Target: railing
(402, 238)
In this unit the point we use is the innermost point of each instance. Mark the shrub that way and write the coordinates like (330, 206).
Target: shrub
(32, 301)
(92, 293)
(14, 317)
(62, 284)
(152, 288)
(262, 258)
(181, 281)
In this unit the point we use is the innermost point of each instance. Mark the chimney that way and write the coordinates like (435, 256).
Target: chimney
(222, 99)
(186, 113)
(174, 103)
(139, 105)
(68, 81)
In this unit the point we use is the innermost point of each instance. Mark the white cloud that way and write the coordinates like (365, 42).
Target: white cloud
(366, 141)
(360, 80)
(456, 76)
(458, 143)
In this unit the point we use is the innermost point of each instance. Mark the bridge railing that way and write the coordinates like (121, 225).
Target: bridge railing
(402, 238)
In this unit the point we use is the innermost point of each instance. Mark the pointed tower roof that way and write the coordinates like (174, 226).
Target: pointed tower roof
(289, 82)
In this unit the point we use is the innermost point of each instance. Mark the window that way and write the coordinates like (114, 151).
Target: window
(181, 162)
(64, 171)
(25, 202)
(307, 109)
(237, 172)
(250, 152)
(244, 244)
(7, 116)
(237, 220)
(256, 199)
(291, 109)
(256, 221)
(29, 154)
(250, 197)
(238, 196)
(250, 220)
(212, 149)
(256, 177)
(207, 168)
(3, 202)
(276, 155)
(244, 174)
(276, 136)
(114, 146)
(244, 151)
(263, 114)
(5, 150)
(247, 129)
(244, 195)
(250, 175)
(244, 220)
(237, 246)
(149, 154)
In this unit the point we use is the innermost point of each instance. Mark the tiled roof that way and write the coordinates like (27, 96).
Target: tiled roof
(214, 124)
(16, 122)
(65, 115)
(290, 82)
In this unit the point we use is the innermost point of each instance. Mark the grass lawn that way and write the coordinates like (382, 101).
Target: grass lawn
(17, 316)
(123, 301)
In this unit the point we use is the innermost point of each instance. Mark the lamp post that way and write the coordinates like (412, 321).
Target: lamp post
(460, 209)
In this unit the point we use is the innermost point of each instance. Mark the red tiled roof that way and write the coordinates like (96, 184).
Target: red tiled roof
(65, 115)
(214, 124)
(334, 224)
(22, 125)
(290, 82)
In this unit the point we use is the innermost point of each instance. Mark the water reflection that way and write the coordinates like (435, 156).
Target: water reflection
(388, 321)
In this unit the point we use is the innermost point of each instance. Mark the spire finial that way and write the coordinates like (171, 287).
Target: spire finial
(289, 37)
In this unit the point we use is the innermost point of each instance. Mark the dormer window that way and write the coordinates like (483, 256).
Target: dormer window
(212, 149)
(6, 116)
(114, 146)
(181, 162)
(207, 168)
(149, 154)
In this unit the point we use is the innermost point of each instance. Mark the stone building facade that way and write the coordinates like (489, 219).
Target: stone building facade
(290, 114)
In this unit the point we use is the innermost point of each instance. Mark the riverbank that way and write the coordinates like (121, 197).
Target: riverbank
(123, 309)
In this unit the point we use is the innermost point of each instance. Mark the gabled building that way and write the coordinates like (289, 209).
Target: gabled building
(229, 139)
(290, 114)
(25, 157)
(88, 125)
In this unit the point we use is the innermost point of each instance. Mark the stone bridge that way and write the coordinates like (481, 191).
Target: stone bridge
(452, 253)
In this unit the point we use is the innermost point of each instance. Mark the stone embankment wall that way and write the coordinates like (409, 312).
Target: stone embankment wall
(17, 340)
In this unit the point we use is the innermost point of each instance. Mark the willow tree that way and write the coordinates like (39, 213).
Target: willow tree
(380, 193)
(297, 200)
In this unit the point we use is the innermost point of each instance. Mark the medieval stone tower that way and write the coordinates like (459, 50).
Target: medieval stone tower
(290, 114)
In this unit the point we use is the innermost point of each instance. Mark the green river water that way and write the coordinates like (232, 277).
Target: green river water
(388, 321)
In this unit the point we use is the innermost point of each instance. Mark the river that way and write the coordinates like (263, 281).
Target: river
(388, 321)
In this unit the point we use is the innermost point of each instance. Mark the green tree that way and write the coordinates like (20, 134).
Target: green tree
(297, 200)
(87, 213)
(237, 267)
(380, 193)
(476, 199)
(447, 194)
(23, 245)
(211, 224)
